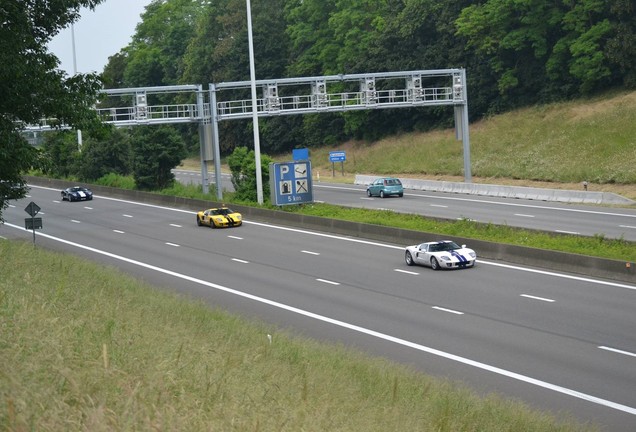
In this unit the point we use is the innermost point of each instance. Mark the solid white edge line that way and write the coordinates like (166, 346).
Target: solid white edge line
(310, 252)
(240, 261)
(118, 231)
(352, 327)
(618, 351)
(172, 244)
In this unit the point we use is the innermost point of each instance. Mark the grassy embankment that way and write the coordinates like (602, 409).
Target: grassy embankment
(114, 354)
(555, 146)
(85, 347)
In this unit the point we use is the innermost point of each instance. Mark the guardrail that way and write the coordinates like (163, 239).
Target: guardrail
(521, 192)
(616, 270)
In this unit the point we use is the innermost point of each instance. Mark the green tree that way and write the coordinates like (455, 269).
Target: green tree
(31, 85)
(157, 150)
(109, 154)
(313, 51)
(530, 42)
(242, 163)
(157, 52)
(61, 153)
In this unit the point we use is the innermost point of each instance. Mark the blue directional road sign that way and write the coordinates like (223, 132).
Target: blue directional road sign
(290, 182)
(337, 156)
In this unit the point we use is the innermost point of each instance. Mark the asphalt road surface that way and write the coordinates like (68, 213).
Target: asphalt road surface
(587, 220)
(559, 342)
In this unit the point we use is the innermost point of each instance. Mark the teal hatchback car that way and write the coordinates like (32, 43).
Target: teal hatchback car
(384, 187)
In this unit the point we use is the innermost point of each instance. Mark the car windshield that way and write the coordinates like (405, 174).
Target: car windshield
(441, 247)
(223, 211)
(392, 182)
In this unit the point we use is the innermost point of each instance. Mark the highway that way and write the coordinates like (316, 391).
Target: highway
(587, 220)
(559, 342)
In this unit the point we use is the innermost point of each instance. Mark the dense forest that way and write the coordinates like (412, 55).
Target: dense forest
(516, 53)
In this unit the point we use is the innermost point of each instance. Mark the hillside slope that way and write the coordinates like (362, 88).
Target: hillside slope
(555, 146)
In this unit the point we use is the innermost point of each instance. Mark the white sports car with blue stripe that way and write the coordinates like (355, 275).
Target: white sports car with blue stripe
(443, 254)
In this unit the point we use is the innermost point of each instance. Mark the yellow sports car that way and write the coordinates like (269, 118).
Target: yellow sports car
(221, 217)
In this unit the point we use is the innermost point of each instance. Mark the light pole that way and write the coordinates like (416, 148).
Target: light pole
(257, 144)
(79, 132)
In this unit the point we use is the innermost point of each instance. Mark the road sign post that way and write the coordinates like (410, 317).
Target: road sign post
(32, 223)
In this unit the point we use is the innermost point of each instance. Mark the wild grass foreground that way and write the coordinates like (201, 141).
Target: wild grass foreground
(85, 347)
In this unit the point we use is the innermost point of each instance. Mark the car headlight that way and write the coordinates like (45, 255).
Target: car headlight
(445, 258)
(472, 254)
(218, 219)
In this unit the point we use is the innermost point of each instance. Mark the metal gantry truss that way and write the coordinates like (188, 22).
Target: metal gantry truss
(286, 96)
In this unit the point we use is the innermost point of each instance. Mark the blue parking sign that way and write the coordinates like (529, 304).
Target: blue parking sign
(290, 182)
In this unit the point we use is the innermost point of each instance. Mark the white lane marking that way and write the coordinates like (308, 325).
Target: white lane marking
(524, 215)
(448, 310)
(559, 275)
(88, 208)
(617, 351)
(359, 329)
(172, 244)
(175, 225)
(127, 215)
(75, 221)
(389, 246)
(627, 226)
(240, 261)
(439, 205)
(367, 198)
(118, 231)
(57, 201)
(568, 232)
(310, 252)
(235, 237)
(406, 271)
(11, 206)
(537, 298)
(328, 281)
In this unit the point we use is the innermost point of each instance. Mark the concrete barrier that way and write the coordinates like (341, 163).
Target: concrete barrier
(540, 194)
(617, 270)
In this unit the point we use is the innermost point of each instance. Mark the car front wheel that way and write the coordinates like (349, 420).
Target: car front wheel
(408, 258)
(368, 192)
(434, 264)
(198, 221)
(382, 194)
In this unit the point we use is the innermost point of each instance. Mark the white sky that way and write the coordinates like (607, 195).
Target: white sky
(99, 34)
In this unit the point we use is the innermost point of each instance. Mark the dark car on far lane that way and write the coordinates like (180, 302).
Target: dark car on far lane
(77, 193)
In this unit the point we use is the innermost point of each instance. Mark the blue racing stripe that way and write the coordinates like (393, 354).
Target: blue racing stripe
(459, 256)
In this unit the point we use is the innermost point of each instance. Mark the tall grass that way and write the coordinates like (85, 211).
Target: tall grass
(85, 347)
